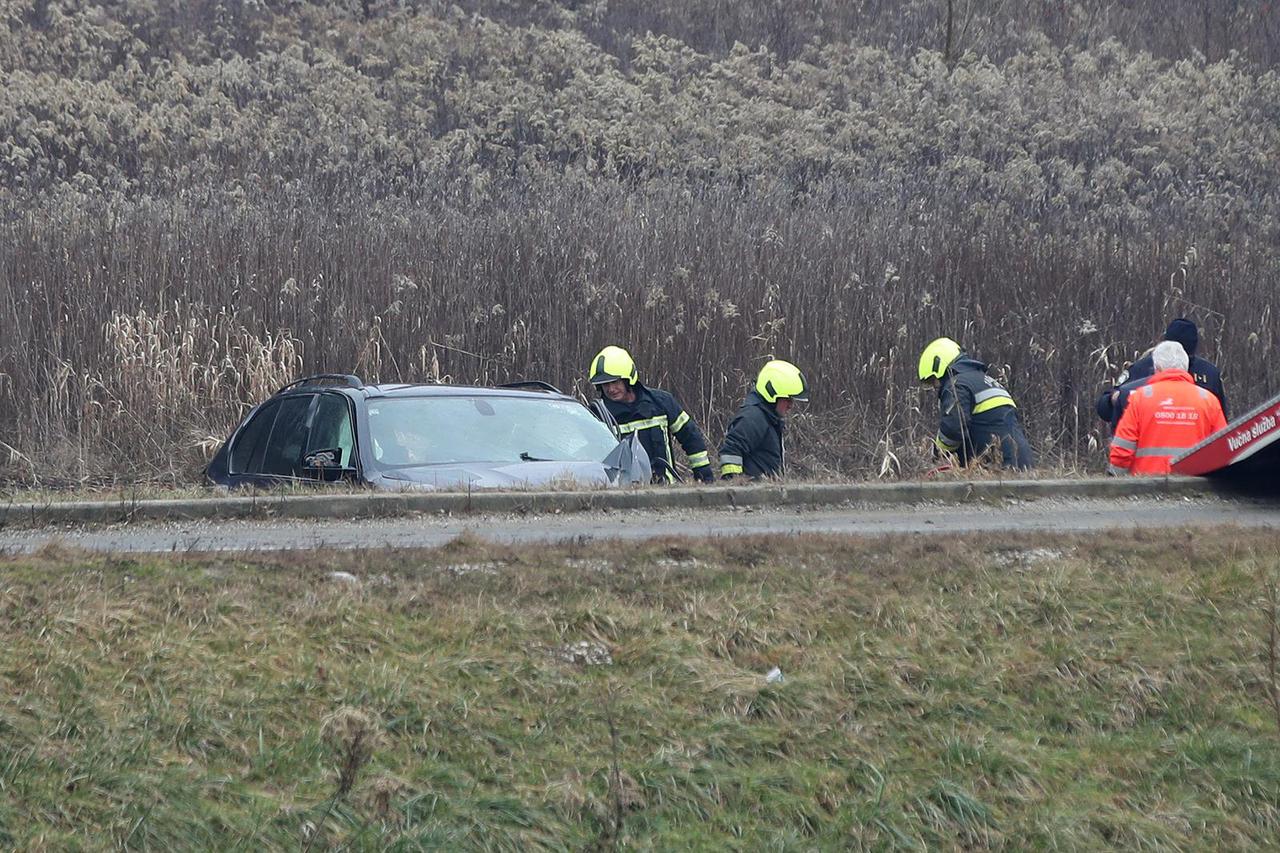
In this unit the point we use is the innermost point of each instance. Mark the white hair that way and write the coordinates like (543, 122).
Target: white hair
(1169, 355)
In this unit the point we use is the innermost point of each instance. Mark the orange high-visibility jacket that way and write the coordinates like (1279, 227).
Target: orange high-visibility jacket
(1164, 417)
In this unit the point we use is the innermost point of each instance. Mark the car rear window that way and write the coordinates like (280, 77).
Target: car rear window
(288, 436)
(411, 431)
(248, 444)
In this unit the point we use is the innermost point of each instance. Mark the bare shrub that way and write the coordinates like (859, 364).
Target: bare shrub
(163, 390)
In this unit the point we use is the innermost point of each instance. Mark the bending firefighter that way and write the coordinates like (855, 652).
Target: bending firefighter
(753, 445)
(975, 411)
(655, 415)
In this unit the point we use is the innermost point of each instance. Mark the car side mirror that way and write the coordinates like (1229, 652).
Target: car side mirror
(325, 465)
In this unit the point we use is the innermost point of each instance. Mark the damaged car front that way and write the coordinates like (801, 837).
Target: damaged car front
(505, 439)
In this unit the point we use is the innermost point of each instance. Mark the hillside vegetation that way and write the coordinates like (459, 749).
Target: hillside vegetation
(202, 199)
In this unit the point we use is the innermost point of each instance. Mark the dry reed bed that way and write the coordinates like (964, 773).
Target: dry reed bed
(136, 334)
(200, 201)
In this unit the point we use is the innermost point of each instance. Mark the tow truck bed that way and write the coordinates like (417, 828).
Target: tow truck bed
(1248, 448)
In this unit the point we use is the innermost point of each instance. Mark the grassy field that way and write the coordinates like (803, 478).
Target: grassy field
(937, 693)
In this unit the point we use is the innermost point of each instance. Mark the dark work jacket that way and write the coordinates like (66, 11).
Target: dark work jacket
(1204, 372)
(753, 441)
(658, 417)
(967, 433)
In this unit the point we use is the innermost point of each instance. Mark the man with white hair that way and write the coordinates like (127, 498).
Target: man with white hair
(1206, 374)
(1164, 417)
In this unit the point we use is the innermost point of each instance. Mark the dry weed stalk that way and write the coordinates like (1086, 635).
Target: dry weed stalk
(623, 796)
(353, 736)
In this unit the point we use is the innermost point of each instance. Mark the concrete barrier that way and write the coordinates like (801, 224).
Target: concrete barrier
(383, 505)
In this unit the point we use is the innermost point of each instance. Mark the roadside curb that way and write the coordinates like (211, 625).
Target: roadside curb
(382, 505)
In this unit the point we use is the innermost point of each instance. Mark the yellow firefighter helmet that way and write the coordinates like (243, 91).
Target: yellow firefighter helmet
(937, 357)
(781, 379)
(611, 364)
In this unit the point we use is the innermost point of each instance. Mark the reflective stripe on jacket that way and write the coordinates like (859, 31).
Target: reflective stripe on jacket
(658, 417)
(1162, 419)
(753, 443)
(969, 401)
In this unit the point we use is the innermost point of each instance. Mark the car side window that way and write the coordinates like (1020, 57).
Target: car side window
(283, 456)
(331, 427)
(246, 453)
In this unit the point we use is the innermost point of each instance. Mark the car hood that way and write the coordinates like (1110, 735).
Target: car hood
(489, 475)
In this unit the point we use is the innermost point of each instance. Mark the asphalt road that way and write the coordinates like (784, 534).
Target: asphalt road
(1048, 515)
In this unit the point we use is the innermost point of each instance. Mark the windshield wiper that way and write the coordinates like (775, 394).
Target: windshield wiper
(525, 457)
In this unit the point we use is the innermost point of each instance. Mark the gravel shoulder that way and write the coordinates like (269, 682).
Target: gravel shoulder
(1049, 515)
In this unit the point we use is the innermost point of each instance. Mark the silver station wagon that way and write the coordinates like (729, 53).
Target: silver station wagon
(334, 428)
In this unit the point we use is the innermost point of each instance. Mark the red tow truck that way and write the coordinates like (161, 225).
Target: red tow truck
(1247, 449)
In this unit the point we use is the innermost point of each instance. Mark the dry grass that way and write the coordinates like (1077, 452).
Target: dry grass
(967, 693)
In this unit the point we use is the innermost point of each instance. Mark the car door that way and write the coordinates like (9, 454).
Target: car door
(332, 430)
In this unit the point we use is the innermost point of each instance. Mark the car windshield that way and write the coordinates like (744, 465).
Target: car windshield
(409, 431)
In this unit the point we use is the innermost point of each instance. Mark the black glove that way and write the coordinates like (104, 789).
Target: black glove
(704, 474)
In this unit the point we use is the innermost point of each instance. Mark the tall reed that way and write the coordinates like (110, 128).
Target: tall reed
(133, 332)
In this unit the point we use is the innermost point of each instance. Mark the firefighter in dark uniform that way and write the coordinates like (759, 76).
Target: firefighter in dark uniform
(655, 415)
(975, 411)
(753, 446)
(1205, 373)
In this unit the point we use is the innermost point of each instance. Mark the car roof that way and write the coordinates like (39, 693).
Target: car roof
(354, 386)
(408, 390)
